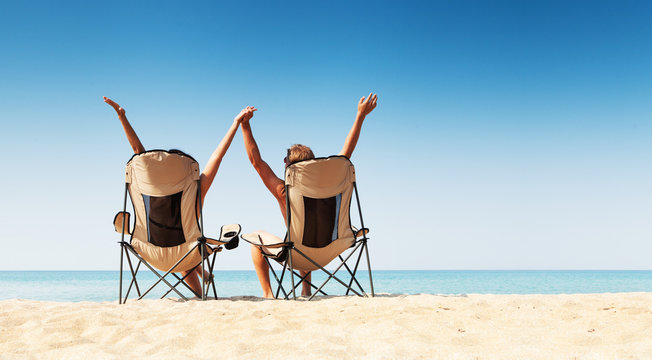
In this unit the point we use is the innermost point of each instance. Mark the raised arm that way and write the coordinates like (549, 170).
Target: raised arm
(365, 105)
(272, 182)
(208, 175)
(134, 141)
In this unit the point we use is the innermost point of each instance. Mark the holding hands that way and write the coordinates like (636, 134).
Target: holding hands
(245, 115)
(366, 105)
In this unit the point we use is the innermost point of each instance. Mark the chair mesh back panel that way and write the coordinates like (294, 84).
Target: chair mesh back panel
(164, 220)
(321, 219)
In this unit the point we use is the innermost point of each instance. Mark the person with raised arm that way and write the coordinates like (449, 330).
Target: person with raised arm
(208, 174)
(276, 186)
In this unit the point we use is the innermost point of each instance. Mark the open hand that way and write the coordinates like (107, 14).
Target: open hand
(245, 115)
(367, 104)
(118, 109)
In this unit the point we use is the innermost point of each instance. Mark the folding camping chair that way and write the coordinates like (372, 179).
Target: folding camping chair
(168, 231)
(318, 200)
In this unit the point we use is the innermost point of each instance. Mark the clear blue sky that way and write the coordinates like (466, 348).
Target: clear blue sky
(508, 135)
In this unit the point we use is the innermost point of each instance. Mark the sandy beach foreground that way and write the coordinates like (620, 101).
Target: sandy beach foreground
(586, 326)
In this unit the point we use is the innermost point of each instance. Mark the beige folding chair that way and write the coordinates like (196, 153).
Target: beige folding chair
(167, 233)
(318, 198)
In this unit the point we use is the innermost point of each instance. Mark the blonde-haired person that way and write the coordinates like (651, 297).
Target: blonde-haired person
(208, 174)
(276, 185)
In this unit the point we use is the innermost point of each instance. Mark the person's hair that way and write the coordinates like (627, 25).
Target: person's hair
(298, 152)
(182, 153)
(177, 151)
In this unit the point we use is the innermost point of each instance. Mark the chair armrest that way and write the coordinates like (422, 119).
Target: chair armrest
(361, 232)
(228, 236)
(255, 239)
(118, 222)
(272, 249)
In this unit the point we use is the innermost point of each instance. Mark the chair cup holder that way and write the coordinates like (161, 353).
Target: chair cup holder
(233, 243)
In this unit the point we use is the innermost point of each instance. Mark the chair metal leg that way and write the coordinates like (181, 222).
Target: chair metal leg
(134, 280)
(364, 237)
(122, 241)
(280, 286)
(294, 292)
(133, 275)
(288, 266)
(162, 278)
(202, 249)
(211, 267)
(371, 281)
(180, 281)
(303, 278)
(330, 276)
(120, 290)
(280, 282)
(355, 271)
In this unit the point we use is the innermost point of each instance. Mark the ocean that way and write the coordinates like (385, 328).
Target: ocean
(103, 285)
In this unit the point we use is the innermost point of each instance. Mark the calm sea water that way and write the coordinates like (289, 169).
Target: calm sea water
(103, 285)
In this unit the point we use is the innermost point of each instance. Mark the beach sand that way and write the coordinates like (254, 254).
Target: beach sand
(586, 326)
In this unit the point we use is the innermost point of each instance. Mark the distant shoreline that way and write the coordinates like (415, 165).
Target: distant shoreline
(102, 286)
